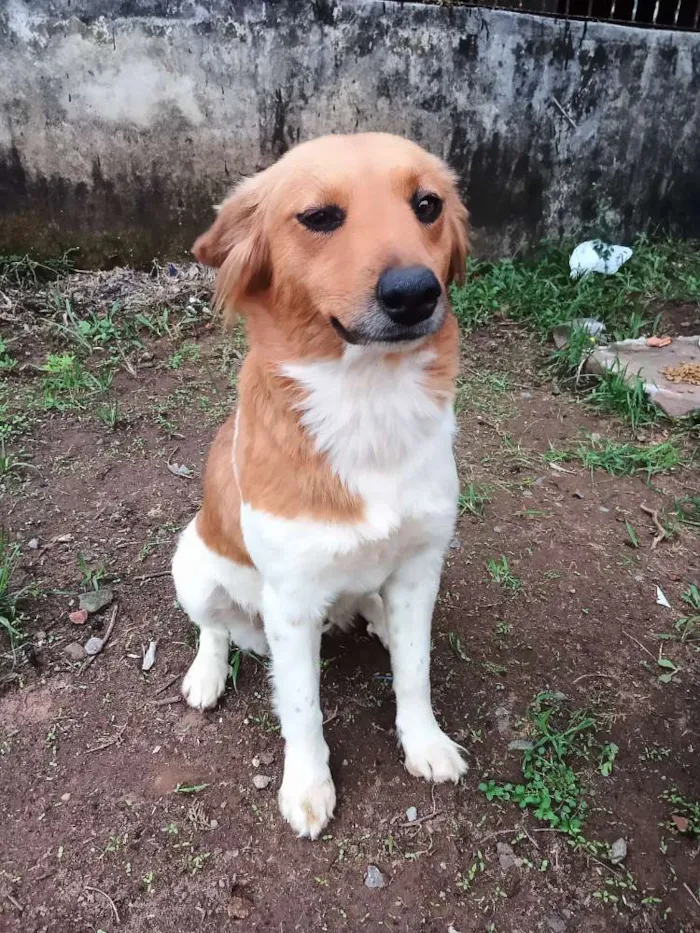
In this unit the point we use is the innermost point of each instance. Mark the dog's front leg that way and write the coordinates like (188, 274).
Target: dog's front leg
(293, 628)
(409, 598)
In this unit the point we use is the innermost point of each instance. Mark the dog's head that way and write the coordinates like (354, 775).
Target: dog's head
(363, 233)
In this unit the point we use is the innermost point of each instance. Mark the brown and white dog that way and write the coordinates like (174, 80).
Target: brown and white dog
(331, 492)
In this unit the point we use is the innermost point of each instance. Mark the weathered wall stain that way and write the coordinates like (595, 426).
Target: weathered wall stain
(123, 121)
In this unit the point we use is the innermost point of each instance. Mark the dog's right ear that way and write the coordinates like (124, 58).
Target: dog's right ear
(236, 245)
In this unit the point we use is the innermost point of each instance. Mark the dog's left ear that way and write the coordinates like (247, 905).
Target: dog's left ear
(237, 246)
(459, 232)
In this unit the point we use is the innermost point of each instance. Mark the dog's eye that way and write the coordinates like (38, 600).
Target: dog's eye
(426, 207)
(322, 219)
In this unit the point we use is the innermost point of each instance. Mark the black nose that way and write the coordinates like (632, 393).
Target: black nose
(408, 294)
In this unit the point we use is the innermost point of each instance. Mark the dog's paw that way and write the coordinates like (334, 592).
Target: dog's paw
(307, 801)
(204, 682)
(434, 756)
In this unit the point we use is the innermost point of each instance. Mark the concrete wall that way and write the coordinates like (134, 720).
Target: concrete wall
(122, 121)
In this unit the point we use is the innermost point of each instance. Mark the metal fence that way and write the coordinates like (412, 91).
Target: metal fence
(653, 14)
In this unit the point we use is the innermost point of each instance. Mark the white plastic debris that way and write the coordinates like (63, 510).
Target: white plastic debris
(661, 599)
(149, 656)
(596, 256)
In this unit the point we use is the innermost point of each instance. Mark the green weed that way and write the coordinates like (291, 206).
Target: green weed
(187, 352)
(10, 595)
(541, 293)
(474, 498)
(628, 401)
(688, 810)
(501, 573)
(552, 786)
(688, 510)
(92, 577)
(628, 459)
(67, 384)
(7, 361)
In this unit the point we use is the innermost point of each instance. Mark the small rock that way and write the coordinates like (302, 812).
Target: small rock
(238, 909)
(213, 824)
(556, 924)
(78, 616)
(96, 600)
(411, 814)
(255, 761)
(266, 758)
(374, 878)
(618, 852)
(601, 508)
(498, 529)
(502, 719)
(74, 651)
(526, 395)
(455, 544)
(65, 798)
(93, 645)
(261, 781)
(33, 544)
(506, 856)
(577, 494)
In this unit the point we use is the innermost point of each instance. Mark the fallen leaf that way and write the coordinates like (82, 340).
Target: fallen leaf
(659, 341)
(661, 599)
(78, 616)
(179, 469)
(681, 822)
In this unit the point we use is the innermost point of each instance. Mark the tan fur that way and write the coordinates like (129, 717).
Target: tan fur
(289, 282)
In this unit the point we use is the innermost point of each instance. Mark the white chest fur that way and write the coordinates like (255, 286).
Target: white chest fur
(390, 440)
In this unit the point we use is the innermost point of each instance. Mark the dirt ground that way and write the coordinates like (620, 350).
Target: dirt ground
(122, 810)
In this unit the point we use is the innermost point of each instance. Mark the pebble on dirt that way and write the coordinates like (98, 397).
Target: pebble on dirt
(411, 814)
(374, 878)
(149, 657)
(261, 781)
(93, 645)
(74, 651)
(96, 599)
(618, 852)
(78, 616)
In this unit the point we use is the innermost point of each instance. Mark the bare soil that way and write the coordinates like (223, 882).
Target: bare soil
(94, 834)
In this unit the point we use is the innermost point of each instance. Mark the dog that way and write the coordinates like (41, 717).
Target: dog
(331, 492)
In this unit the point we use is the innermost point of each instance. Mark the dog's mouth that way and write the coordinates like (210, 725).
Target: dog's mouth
(377, 328)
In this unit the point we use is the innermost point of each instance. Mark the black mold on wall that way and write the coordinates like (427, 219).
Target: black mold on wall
(123, 121)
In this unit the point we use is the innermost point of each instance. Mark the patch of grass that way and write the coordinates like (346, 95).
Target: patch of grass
(10, 463)
(628, 401)
(67, 384)
(688, 510)
(552, 785)
(474, 498)
(12, 424)
(7, 361)
(501, 573)
(187, 352)
(92, 577)
(541, 294)
(628, 459)
(10, 595)
(108, 414)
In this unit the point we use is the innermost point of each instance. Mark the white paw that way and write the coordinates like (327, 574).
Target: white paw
(204, 682)
(432, 755)
(307, 801)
